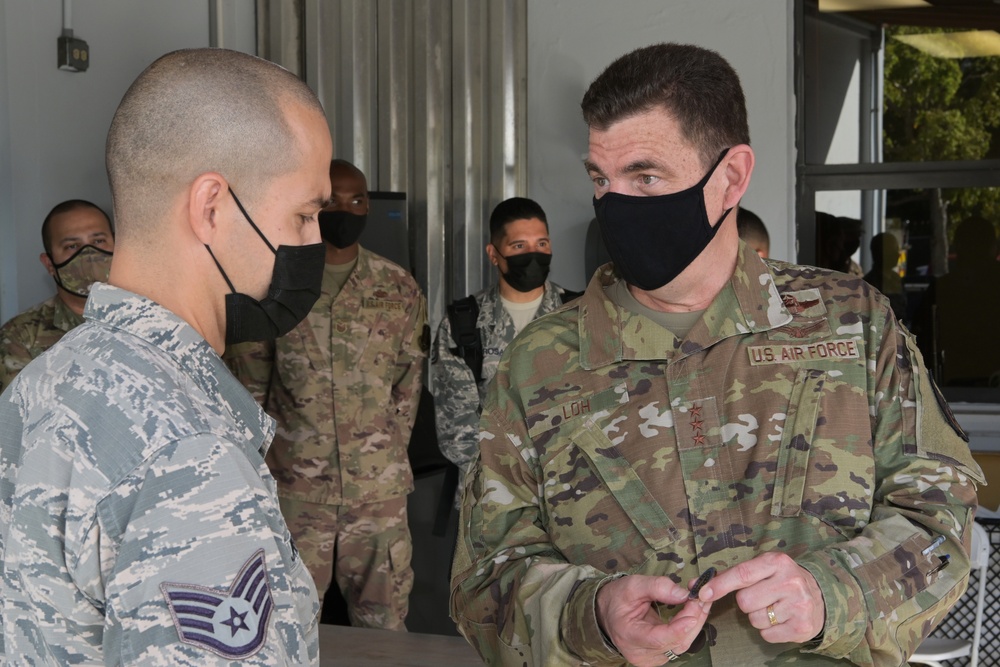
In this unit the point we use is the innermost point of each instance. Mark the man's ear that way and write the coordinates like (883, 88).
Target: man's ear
(492, 253)
(208, 195)
(47, 263)
(739, 167)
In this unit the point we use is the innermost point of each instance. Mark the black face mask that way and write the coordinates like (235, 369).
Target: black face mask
(341, 228)
(527, 271)
(295, 286)
(652, 240)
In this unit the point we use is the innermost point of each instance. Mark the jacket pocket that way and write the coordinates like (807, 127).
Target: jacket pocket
(633, 502)
(796, 441)
(825, 467)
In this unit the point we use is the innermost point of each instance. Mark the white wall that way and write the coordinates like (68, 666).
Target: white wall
(569, 45)
(53, 124)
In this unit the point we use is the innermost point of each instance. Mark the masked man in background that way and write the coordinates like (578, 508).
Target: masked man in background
(78, 241)
(471, 340)
(344, 387)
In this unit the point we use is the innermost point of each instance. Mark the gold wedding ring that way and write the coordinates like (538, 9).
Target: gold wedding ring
(770, 615)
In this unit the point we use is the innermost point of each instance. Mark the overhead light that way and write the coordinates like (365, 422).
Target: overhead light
(868, 5)
(971, 44)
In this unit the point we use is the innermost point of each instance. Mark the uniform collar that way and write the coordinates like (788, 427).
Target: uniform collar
(138, 316)
(748, 303)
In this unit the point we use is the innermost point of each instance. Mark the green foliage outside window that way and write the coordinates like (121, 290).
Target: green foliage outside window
(940, 109)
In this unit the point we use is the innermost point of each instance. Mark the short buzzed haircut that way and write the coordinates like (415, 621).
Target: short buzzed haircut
(196, 111)
(696, 86)
(750, 227)
(511, 210)
(341, 164)
(66, 207)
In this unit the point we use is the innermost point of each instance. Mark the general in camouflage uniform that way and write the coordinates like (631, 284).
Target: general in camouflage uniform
(458, 398)
(790, 437)
(78, 242)
(111, 532)
(344, 387)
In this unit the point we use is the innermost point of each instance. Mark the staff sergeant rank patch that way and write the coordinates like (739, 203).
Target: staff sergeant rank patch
(230, 623)
(788, 353)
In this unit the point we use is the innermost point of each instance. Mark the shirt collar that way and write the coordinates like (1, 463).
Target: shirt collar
(748, 303)
(138, 316)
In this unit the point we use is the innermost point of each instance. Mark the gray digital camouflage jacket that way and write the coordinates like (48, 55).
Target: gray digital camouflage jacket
(139, 524)
(457, 395)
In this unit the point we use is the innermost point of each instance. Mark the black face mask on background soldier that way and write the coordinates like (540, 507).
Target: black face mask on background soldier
(295, 286)
(653, 239)
(341, 228)
(527, 271)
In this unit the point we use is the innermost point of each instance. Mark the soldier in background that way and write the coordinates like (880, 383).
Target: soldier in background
(751, 229)
(138, 521)
(700, 408)
(78, 242)
(344, 387)
(471, 340)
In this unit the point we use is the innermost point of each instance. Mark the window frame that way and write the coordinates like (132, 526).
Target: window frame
(870, 176)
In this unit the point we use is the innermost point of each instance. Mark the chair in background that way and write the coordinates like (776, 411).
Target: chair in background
(933, 650)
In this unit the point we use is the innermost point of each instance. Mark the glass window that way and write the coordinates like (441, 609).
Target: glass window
(940, 98)
(899, 178)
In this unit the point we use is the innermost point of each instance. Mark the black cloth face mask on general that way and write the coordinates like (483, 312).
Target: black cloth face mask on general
(651, 240)
(341, 228)
(296, 281)
(527, 271)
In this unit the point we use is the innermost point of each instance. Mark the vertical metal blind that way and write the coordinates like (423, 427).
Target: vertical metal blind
(427, 97)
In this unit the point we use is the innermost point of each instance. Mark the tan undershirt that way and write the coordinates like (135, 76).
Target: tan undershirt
(678, 324)
(522, 313)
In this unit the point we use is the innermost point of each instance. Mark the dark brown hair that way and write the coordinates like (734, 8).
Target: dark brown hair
(511, 210)
(693, 84)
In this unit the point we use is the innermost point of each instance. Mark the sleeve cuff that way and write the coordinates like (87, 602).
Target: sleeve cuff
(846, 612)
(582, 634)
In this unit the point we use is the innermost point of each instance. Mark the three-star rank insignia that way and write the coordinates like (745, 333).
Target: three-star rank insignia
(230, 623)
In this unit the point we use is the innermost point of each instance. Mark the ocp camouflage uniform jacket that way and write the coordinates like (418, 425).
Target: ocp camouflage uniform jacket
(345, 407)
(457, 396)
(139, 524)
(796, 416)
(32, 332)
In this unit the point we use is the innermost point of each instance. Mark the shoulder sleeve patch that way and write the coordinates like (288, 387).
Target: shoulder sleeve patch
(232, 622)
(938, 433)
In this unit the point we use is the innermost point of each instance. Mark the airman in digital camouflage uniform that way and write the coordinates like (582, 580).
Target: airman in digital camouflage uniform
(344, 387)
(698, 408)
(520, 249)
(139, 524)
(78, 242)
